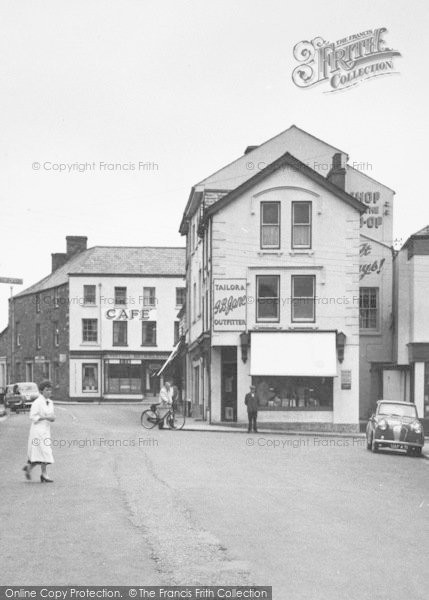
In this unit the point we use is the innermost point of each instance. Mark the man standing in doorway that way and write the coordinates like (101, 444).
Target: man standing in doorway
(251, 401)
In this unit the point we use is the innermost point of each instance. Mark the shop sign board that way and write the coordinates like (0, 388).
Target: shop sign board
(229, 304)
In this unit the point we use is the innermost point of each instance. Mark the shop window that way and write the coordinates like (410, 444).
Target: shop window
(46, 370)
(368, 308)
(149, 333)
(89, 330)
(123, 378)
(56, 374)
(38, 337)
(149, 296)
(180, 296)
(301, 224)
(90, 377)
(120, 333)
(89, 294)
(270, 225)
(268, 300)
(120, 295)
(56, 334)
(294, 393)
(29, 371)
(303, 298)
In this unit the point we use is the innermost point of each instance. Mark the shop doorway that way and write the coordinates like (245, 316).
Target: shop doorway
(229, 383)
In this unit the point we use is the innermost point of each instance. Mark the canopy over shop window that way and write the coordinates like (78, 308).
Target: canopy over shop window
(295, 354)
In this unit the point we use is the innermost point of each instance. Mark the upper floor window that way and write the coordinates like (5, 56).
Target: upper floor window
(38, 336)
(56, 298)
(270, 224)
(368, 307)
(180, 296)
(303, 298)
(89, 330)
(120, 295)
(301, 224)
(17, 335)
(37, 303)
(56, 334)
(267, 297)
(194, 301)
(149, 297)
(89, 294)
(176, 332)
(120, 333)
(149, 333)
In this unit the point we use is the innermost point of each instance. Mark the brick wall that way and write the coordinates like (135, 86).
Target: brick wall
(26, 313)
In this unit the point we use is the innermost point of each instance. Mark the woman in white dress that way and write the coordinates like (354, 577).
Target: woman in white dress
(39, 440)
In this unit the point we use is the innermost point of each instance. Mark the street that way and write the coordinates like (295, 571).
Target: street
(314, 517)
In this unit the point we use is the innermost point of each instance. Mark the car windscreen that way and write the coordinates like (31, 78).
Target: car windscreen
(29, 389)
(399, 410)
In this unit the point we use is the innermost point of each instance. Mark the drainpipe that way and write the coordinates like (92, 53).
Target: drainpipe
(101, 347)
(12, 337)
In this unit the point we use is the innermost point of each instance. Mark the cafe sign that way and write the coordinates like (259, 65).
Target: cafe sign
(229, 304)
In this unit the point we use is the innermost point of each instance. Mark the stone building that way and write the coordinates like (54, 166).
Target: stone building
(101, 324)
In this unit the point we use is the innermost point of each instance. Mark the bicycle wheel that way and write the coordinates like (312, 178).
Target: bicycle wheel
(176, 420)
(148, 419)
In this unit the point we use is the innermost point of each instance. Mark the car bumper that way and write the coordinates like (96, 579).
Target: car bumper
(398, 444)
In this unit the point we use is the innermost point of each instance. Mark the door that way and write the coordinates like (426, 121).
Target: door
(229, 384)
(392, 385)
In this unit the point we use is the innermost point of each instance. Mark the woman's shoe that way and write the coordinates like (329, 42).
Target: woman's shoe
(27, 472)
(45, 479)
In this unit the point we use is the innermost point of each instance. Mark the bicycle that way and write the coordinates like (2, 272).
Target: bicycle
(174, 419)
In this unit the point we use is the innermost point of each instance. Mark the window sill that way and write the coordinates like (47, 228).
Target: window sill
(370, 332)
(120, 345)
(276, 252)
(299, 251)
(148, 345)
(90, 344)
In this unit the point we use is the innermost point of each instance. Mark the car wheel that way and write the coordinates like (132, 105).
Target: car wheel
(374, 445)
(368, 442)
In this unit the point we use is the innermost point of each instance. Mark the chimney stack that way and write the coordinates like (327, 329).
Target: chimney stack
(337, 174)
(75, 245)
(58, 259)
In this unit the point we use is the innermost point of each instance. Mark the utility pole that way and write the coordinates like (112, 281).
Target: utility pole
(11, 280)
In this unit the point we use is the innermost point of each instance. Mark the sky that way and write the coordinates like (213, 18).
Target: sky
(182, 87)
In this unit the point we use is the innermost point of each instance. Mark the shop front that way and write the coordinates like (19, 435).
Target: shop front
(294, 375)
(105, 376)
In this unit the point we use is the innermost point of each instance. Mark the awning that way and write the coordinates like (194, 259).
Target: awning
(302, 354)
(170, 359)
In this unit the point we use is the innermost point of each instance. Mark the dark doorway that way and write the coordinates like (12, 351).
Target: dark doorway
(229, 383)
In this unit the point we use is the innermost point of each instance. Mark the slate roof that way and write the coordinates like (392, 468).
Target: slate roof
(116, 260)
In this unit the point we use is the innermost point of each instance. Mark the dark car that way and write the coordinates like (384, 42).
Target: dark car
(19, 396)
(395, 425)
